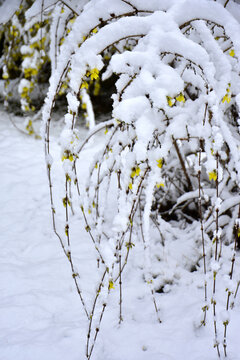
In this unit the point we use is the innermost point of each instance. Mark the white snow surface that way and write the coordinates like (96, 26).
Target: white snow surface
(7, 9)
(40, 313)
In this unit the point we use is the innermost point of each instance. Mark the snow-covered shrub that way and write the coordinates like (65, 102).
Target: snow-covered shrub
(170, 158)
(19, 57)
(24, 58)
(32, 36)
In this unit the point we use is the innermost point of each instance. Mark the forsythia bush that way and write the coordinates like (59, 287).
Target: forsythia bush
(170, 157)
(171, 152)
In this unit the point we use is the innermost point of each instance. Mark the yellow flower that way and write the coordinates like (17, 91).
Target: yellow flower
(161, 184)
(212, 175)
(24, 93)
(133, 173)
(66, 230)
(138, 171)
(130, 186)
(180, 98)
(94, 74)
(226, 98)
(84, 85)
(72, 20)
(111, 285)
(67, 155)
(28, 72)
(232, 52)
(169, 100)
(160, 163)
(60, 42)
(66, 201)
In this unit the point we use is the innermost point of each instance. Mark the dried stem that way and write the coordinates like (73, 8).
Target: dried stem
(89, 352)
(182, 164)
(151, 284)
(235, 294)
(69, 7)
(205, 308)
(226, 3)
(216, 239)
(229, 291)
(120, 287)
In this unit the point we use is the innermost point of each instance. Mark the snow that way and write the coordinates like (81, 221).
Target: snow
(7, 9)
(73, 103)
(48, 5)
(41, 316)
(35, 321)
(121, 260)
(90, 117)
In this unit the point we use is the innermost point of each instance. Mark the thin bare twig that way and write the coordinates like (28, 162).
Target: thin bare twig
(205, 308)
(226, 3)
(69, 7)
(182, 164)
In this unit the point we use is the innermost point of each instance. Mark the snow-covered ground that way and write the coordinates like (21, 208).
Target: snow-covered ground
(41, 316)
